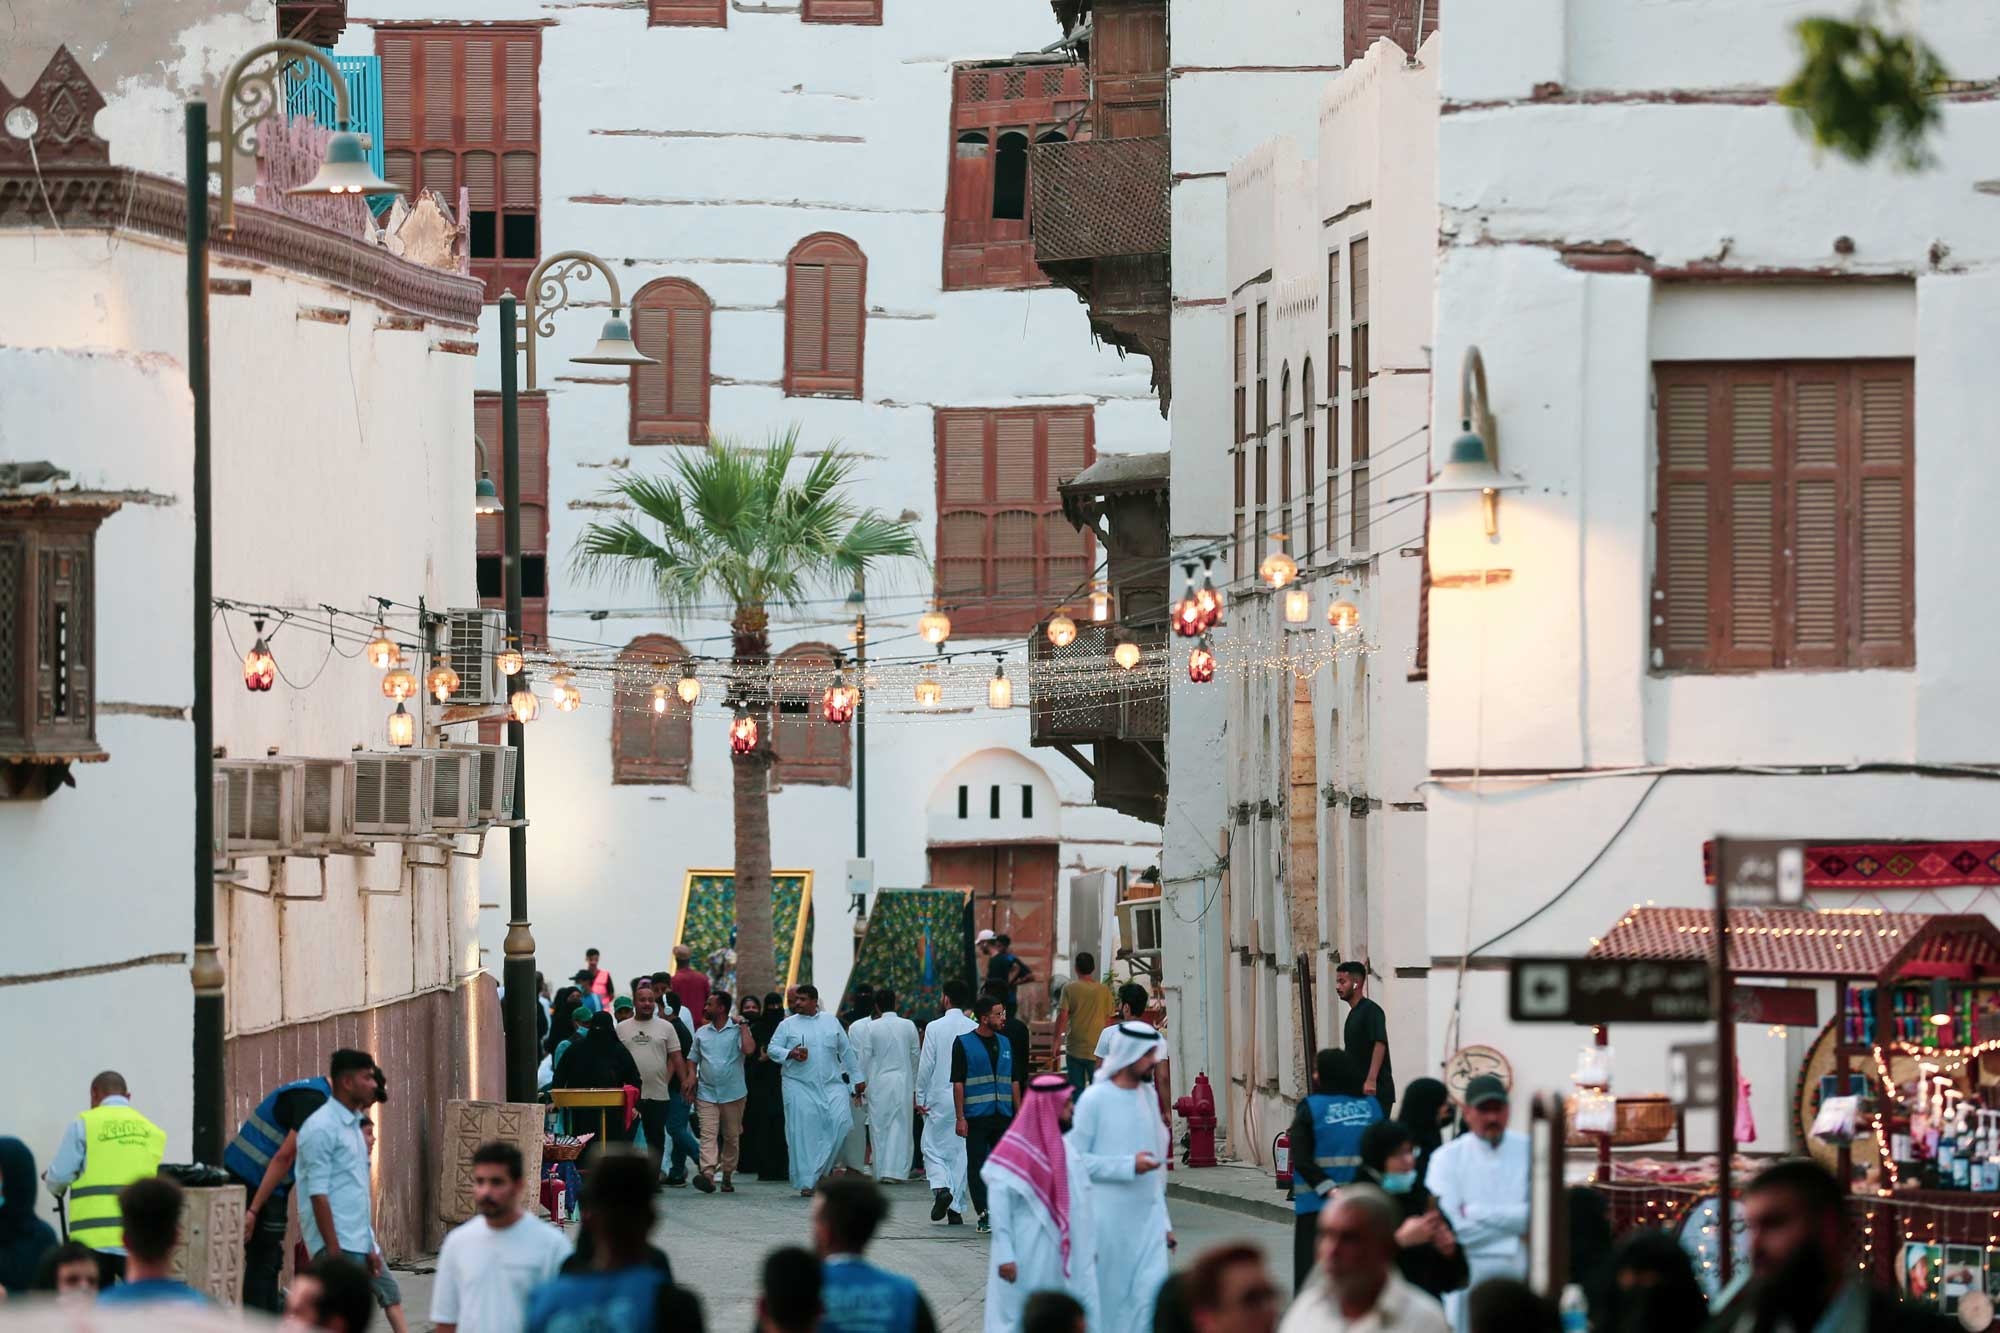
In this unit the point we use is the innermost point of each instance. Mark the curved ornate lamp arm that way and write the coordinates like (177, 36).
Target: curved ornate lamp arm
(250, 95)
(548, 292)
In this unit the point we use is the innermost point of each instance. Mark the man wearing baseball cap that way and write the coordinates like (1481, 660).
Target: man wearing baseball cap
(1480, 1180)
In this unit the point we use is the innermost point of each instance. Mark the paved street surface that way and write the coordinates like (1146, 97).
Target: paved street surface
(717, 1243)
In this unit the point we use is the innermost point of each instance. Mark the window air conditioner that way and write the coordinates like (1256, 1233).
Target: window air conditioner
(473, 639)
(493, 792)
(221, 823)
(454, 789)
(1139, 927)
(327, 814)
(392, 793)
(263, 803)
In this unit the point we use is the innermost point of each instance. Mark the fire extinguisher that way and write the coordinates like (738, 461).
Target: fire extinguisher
(1281, 1154)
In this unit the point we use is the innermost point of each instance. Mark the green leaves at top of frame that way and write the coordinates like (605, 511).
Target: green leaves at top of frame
(1862, 90)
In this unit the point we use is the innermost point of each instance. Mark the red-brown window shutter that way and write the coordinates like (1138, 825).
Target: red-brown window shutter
(650, 747)
(1369, 20)
(807, 748)
(998, 113)
(689, 13)
(826, 317)
(842, 11)
(670, 322)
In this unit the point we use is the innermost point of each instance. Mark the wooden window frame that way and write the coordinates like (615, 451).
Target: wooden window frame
(1239, 448)
(687, 13)
(1366, 21)
(48, 642)
(643, 663)
(992, 612)
(1856, 392)
(489, 530)
(863, 12)
(423, 145)
(803, 671)
(1035, 101)
(675, 425)
(1285, 452)
(1359, 501)
(1333, 401)
(1309, 430)
(826, 252)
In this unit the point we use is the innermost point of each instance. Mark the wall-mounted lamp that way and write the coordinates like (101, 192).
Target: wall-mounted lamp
(1474, 461)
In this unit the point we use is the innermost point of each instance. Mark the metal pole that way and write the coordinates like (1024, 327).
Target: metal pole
(518, 972)
(860, 726)
(210, 1078)
(1725, 1059)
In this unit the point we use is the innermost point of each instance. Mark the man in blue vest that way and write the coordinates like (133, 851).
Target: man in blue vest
(261, 1158)
(982, 1088)
(857, 1296)
(1326, 1148)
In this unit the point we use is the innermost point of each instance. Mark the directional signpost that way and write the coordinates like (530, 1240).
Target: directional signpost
(1609, 990)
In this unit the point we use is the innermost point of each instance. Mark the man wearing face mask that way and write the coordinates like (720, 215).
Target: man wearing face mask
(1120, 1143)
(1326, 1148)
(1427, 1253)
(1481, 1182)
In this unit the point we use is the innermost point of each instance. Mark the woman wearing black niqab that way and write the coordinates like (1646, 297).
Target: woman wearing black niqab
(599, 1060)
(764, 1150)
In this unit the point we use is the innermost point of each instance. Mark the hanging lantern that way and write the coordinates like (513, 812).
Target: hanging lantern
(563, 692)
(1343, 615)
(934, 626)
(399, 684)
(441, 681)
(662, 699)
(1126, 654)
(743, 734)
(1062, 630)
(524, 703)
(382, 650)
(1201, 663)
(260, 669)
(509, 661)
(1100, 604)
(1208, 597)
(929, 691)
(402, 727)
(837, 704)
(999, 690)
(1298, 606)
(1278, 568)
(1187, 614)
(688, 687)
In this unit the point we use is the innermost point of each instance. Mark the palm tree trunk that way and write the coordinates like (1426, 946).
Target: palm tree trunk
(756, 962)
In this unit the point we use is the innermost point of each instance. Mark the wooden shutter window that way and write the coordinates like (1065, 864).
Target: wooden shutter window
(826, 317)
(1784, 516)
(1333, 402)
(650, 747)
(806, 747)
(842, 11)
(1309, 426)
(996, 113)
(1359, 501)
(491, 529)
(670, 323)
(688, 14)
(1368, 21)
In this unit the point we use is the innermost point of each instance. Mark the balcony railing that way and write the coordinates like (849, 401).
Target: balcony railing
(1074, 700)
(1100, 199)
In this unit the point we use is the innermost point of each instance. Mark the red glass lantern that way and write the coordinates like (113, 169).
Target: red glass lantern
(260, 669)
(837, 704)
(1201, 664)
(743, 734)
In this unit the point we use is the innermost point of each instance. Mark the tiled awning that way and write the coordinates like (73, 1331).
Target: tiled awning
(1774, 942)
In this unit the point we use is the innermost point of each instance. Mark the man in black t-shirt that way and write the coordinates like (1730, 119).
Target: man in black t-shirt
(1366, 1036)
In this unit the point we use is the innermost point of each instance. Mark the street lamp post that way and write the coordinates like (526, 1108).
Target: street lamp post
(248, 95)
(548, 292)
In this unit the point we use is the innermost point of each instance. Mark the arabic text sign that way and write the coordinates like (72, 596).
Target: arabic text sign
(1608, 990)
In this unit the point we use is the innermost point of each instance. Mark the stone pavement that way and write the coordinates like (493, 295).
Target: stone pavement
(718, 1241)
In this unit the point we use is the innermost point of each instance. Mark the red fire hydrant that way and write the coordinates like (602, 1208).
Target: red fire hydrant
(1198, 1109)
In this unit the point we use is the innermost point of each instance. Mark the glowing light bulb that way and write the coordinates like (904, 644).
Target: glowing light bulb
(399, 684)
(743, 734)
(1298, 606)
(524, 703)
(441, 681)
(1100, 605)
(382, 650)
(1201, 665)
(509, 661)
(260, 669)
(662, 699)
(999, 690)
(1126, 654)
(1278, 568)
(1343, 615)
(930, 691)
(689, 686)
(837, 704)
(563, 692)
(402, 728)
(934, 627)
(1062, 630)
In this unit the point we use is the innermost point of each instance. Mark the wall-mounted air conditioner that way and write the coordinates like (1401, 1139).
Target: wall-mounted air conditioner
(473, 639)
(493, 794)
(392, 791)
(454, 789)
(326, 817)
(262, 804)
(1139, 927)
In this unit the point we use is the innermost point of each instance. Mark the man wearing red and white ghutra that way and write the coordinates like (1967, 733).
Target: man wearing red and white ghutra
(1121, 1144)
(1038, 1197)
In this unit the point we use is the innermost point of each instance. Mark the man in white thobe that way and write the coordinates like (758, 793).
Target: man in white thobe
(889, 1064)
(854, 1149)
(812, 1049)
(1480, 1181)
(1038, 1197)
(1121, 1144)
(944, 1151)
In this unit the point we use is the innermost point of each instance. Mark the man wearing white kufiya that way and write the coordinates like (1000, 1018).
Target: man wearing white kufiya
(1039, 1199)
(812, 1049)
(944, 1151)
(889, 1063)
(1119, 1139)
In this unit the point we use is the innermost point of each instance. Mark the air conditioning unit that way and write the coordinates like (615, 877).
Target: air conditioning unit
(392, 790)
(327, 803)
(493, 795)
(454, 789)
(473, 639)
(263, 803)
(1139, 927)
(221, 824)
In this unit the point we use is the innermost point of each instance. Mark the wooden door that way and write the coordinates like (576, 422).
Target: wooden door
(1014, 894)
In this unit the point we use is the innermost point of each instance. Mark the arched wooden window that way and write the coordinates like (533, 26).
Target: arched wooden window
(647, 746)
(670, 322)
(826, 317)
(1285, 453)
(1309, 426)
(808, 748)
(1010, 178)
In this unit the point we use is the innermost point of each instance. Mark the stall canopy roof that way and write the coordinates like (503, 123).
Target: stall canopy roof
(1777, 942)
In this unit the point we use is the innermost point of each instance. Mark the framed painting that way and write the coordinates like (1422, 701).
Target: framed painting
(707, 924)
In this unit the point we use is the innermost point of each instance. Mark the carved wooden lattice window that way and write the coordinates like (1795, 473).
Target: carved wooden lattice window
(996, 113)
(842, 11)
(826, 317)
(688, 13)
(670, 322)
(649, 746)
(808, 748)
(48, 709)
(1006, 554)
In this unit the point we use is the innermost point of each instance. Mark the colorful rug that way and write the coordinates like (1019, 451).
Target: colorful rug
(917, 939)
(1891, 865)
(708, 923)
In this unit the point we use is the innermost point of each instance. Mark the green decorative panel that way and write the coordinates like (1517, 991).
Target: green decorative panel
(708, 923)
(917, 939)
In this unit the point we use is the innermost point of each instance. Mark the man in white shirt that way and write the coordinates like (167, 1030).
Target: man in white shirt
(491, 1265)
(944, 1151)
(656, 1049)
(1356, 1286)
(1480, 1180)
(889, 1067)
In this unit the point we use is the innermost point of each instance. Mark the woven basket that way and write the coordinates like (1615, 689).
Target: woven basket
(562, 1152)
(1646, 1118)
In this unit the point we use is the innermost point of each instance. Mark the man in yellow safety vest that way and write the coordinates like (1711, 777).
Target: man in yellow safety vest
(104, 1149)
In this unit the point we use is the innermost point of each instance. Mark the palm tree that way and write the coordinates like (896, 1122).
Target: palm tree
(727, 524)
